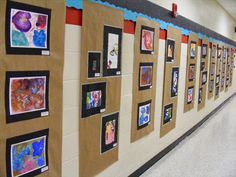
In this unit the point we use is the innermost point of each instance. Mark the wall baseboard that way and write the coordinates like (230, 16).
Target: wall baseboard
(161, 154)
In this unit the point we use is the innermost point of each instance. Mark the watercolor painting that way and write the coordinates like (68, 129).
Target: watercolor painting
(144, 114)
(27, 154)
(168, 113)
(225, 53)
(190, 95)
(93, 98)
(200, 96)
(145, 75)
(204, 50)
(193, 50)
(218, 52)
(204, 77)
(147, 40)
(211, 86)
(94, 59)
(112, 51)
(27, 94)
(27, 28)
(109, 135)
(191, 72)
(170, 50)
(174, 82)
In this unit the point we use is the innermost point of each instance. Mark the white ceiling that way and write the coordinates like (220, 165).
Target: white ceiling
(229, 6)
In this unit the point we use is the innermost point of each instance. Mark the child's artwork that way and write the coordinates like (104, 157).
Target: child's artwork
(217, 91)
(203, 65)
(191, 72)
(225, 53)
(222, 82)
(204, 50)
(147, 40)
(174, 82)
(217, 80)
(213, 51)
(27, 29)
(212, 69)
(200, 96)
(94, 64)
(26, 95)
(170, 50)
(112, 51)
(93, 98)
(192, 50)
(144, 114)
(204, 77)
(218, 52)
(27, 155)
(190, 95)
(145, 75)
(211, 86)
(168, 113)
(109, 135)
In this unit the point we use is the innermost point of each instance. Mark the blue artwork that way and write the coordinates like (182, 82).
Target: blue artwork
(144, 114)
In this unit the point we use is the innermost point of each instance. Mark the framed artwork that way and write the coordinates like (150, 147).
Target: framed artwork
(170, 50)
(204, 77)
(200, 96)
(212, 69)
(168, 113)
(147, 40)
(174, 81)
(217, 80)
(227, 83)
(203, 64)
(145, 75)
(27, 155)
(94, 59)
(93, 98)
(204, 50)
(144, 114)
(213, 51)
(225, 53)
(192, 50)
(211, 86)
(191, 72)
(223, 67)
(27, 29)
(222, 82)
(109, 134)
(217, 91)
(218, 52)
(190, 95)
(26, 95)
(112, 51)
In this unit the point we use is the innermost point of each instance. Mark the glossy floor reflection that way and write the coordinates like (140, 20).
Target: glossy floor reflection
(210, 151)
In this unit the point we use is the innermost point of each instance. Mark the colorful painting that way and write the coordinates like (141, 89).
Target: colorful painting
(93, 98)
(190, 95)
(211, 86)
(144, 114)
(174, 82)
(27, 29)
(109, 135)
(213, 51)
(218, 52)
(200, 96)
(204, 50)
(217, 80)
(147, 40)
(27, 154)
(212, 69)
(191, 72)
(193, 50)
(94, 59)
(204, 77)
(145, 75)
(112, 51)
(168, 113)
(28, 94)
(170, 51)
(225, 53)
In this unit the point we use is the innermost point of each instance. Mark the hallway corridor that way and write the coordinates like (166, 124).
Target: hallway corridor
(210, 151)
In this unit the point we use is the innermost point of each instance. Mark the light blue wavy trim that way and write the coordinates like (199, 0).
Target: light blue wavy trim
(78, 4)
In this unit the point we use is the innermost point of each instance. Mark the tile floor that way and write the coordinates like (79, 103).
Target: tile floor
(210, 151)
